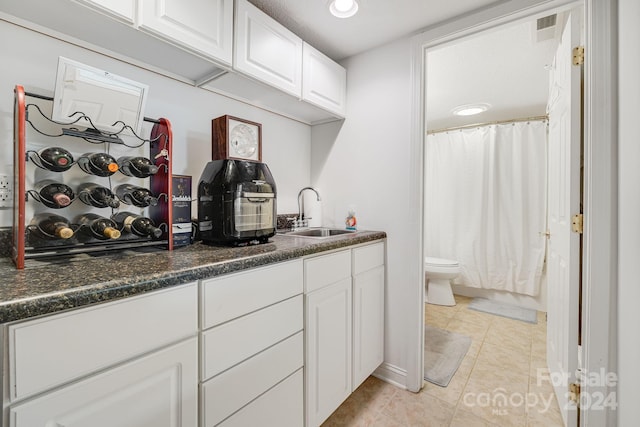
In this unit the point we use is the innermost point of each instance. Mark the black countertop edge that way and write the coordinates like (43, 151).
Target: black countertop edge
(55, 292)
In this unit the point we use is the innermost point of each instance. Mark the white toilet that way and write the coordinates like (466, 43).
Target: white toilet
(438, 275)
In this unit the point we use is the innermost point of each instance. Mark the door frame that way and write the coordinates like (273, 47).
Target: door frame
(599, 340)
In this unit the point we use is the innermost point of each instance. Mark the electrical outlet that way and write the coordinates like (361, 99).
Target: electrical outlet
(6, 195)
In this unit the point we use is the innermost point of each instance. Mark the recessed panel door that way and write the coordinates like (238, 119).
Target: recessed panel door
(564, 202)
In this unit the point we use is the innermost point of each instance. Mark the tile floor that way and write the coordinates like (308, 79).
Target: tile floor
(502, 362)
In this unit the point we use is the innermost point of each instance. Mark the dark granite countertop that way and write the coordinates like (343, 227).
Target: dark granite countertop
(46, 287)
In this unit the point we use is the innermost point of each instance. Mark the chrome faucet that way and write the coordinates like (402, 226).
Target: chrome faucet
(300, 222)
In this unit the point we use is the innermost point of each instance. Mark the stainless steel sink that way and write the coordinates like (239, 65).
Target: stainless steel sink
(318, 232)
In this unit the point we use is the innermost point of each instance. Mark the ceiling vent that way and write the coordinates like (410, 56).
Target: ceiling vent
(546, 28)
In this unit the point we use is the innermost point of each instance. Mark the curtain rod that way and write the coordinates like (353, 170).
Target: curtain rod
(499, 122)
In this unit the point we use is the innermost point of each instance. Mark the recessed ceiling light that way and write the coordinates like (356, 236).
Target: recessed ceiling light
(470, 109)
(343, 8)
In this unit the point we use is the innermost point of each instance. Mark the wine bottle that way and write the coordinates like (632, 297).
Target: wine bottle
(51, 226)
(134, 195)
(100, 164)
(98, 226)
(96, 195)
(53, 194)
(140, 167)
(136, 224)
(55, 159)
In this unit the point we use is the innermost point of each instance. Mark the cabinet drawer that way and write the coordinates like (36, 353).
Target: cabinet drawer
(233, 389)
(228, 297)
(159, 389)
(282, 406)
(368, 257)
(235, 341)
(56, 349)
(327, 269)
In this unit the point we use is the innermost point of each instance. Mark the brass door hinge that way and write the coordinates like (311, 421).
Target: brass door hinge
(577, 222)
(578, 55)
(574, 393)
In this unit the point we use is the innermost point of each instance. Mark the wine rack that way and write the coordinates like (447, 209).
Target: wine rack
(32, 121)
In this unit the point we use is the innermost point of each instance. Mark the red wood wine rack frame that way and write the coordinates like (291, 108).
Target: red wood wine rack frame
(160, 183)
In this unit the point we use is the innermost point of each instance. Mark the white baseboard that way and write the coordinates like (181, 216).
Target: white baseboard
(392, 375)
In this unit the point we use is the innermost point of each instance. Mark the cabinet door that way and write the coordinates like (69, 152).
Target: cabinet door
(328, 350)
(124, 10)
(324, 82)
(266, 50)
(368, 323)
(202, 26)
(158, 390)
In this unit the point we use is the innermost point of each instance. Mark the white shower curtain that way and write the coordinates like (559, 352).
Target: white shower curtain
(485, 203)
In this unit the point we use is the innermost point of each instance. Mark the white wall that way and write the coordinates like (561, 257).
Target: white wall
(628, 213)
(30, 59)
(364, 162)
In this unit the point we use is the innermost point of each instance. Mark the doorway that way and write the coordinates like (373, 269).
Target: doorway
(486, 202)
(600, 206)
(485, 173)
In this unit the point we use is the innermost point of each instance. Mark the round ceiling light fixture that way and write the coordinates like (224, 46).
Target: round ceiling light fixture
(470, 109)
(343, 8)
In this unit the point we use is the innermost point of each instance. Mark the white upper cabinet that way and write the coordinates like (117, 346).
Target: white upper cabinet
(110, 25)
(267, 51)
(204, 26)
(324, 82)
(258, 62)
(124, 10)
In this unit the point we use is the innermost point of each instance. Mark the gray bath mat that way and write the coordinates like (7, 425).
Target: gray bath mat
(504, 310)
(443, 353)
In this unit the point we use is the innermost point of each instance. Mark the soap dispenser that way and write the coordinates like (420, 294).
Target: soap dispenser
(351, 221)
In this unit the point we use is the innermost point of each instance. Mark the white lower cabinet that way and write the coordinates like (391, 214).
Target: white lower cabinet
(252, 347)
(157, 390)
(282, 345)
(231, 391)
(328, 350)
(344, 325)
(128, 363)
(368, 323)
(282, 406)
